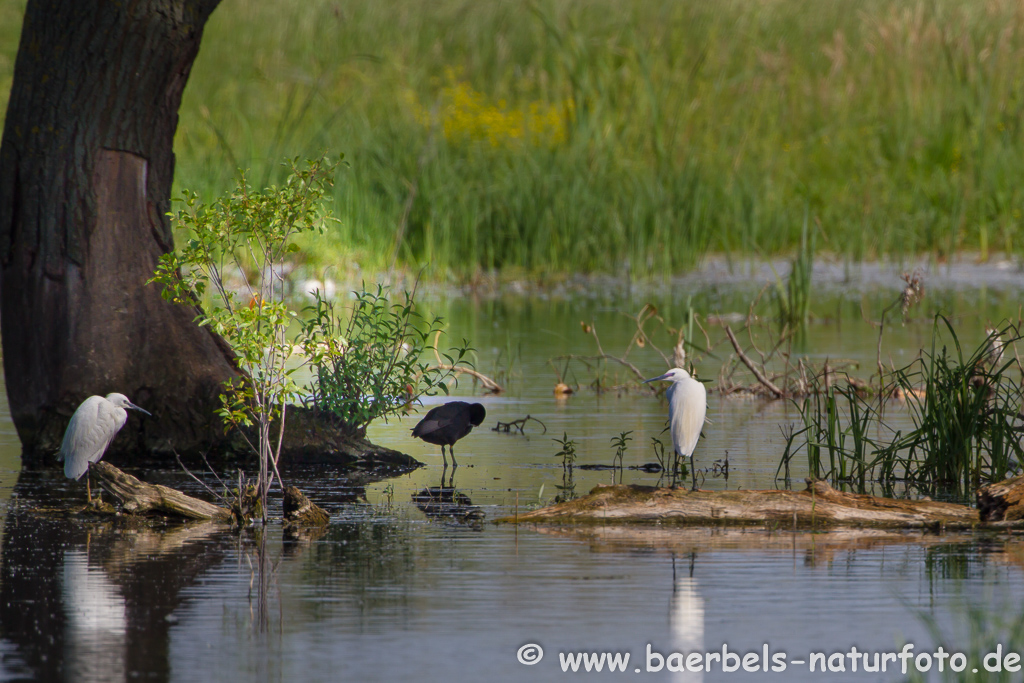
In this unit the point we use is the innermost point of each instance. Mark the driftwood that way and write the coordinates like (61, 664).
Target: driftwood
(302, 511)
(138, 497)
(818, 506)
(1002, 501)
(767, 383)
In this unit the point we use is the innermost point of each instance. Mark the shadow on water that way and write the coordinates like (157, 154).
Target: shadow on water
(87, 600)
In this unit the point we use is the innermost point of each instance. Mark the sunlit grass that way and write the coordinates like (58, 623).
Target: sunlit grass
(619, 137)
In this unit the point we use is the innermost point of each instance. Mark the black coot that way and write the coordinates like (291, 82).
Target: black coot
(446, 424)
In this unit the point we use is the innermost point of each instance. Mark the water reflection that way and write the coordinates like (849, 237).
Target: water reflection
(400, 587)
(440, 502)
(88, 601)
(96, 619)
(686, 616)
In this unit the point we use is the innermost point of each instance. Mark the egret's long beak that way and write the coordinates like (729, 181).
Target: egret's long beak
(655, 379)
(135, 407)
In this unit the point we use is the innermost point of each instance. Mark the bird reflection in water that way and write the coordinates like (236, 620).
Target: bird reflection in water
(686, 618)
(95, 645)
(445, 502)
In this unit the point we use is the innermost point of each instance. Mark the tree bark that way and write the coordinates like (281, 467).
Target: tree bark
(86, 165)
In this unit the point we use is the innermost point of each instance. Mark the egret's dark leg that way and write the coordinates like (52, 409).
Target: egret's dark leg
(693, 473)
(88, 488)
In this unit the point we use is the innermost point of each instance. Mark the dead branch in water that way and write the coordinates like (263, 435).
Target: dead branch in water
(778, 393)
(489, 385)
(518, 424)
(640, 339)
(138, 497)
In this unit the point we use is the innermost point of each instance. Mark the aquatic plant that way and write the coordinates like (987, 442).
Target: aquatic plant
(568, 455)
(659, 453)
(672, 466)
(567, 452)
(793, 300)
(372, 364)
(966, 415)
(620, 443)
(966, 412)
(836, 421)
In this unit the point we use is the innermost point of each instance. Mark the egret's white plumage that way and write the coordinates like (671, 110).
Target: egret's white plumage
(687, 406)
(93, 426)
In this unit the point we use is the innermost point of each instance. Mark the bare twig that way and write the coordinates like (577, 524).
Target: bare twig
(490, 385)
(767, 383)
(518, 424)
(603, 356)
(200, 481)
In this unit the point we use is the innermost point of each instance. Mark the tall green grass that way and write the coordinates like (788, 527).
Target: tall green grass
(564, 135)
(793, 300)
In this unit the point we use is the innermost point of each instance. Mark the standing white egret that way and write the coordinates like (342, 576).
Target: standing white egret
(687, 405)
(93, 426)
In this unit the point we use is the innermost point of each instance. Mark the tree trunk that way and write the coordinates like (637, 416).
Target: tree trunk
(86, 165)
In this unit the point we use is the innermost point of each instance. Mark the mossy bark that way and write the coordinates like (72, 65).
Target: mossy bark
(301, 511)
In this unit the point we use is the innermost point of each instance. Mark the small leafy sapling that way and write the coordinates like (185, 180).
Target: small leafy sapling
(231, 268)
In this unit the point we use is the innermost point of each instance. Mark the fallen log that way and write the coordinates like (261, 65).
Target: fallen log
(1002, 501)
(818, 506)
(138, 497)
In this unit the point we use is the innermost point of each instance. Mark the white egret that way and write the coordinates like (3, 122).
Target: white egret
(687, 405)
(446, 424)
(93, 426)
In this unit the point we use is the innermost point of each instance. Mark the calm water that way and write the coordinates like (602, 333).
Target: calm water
(391, 591)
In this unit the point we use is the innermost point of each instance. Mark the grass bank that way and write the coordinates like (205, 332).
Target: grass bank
(562, 135)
